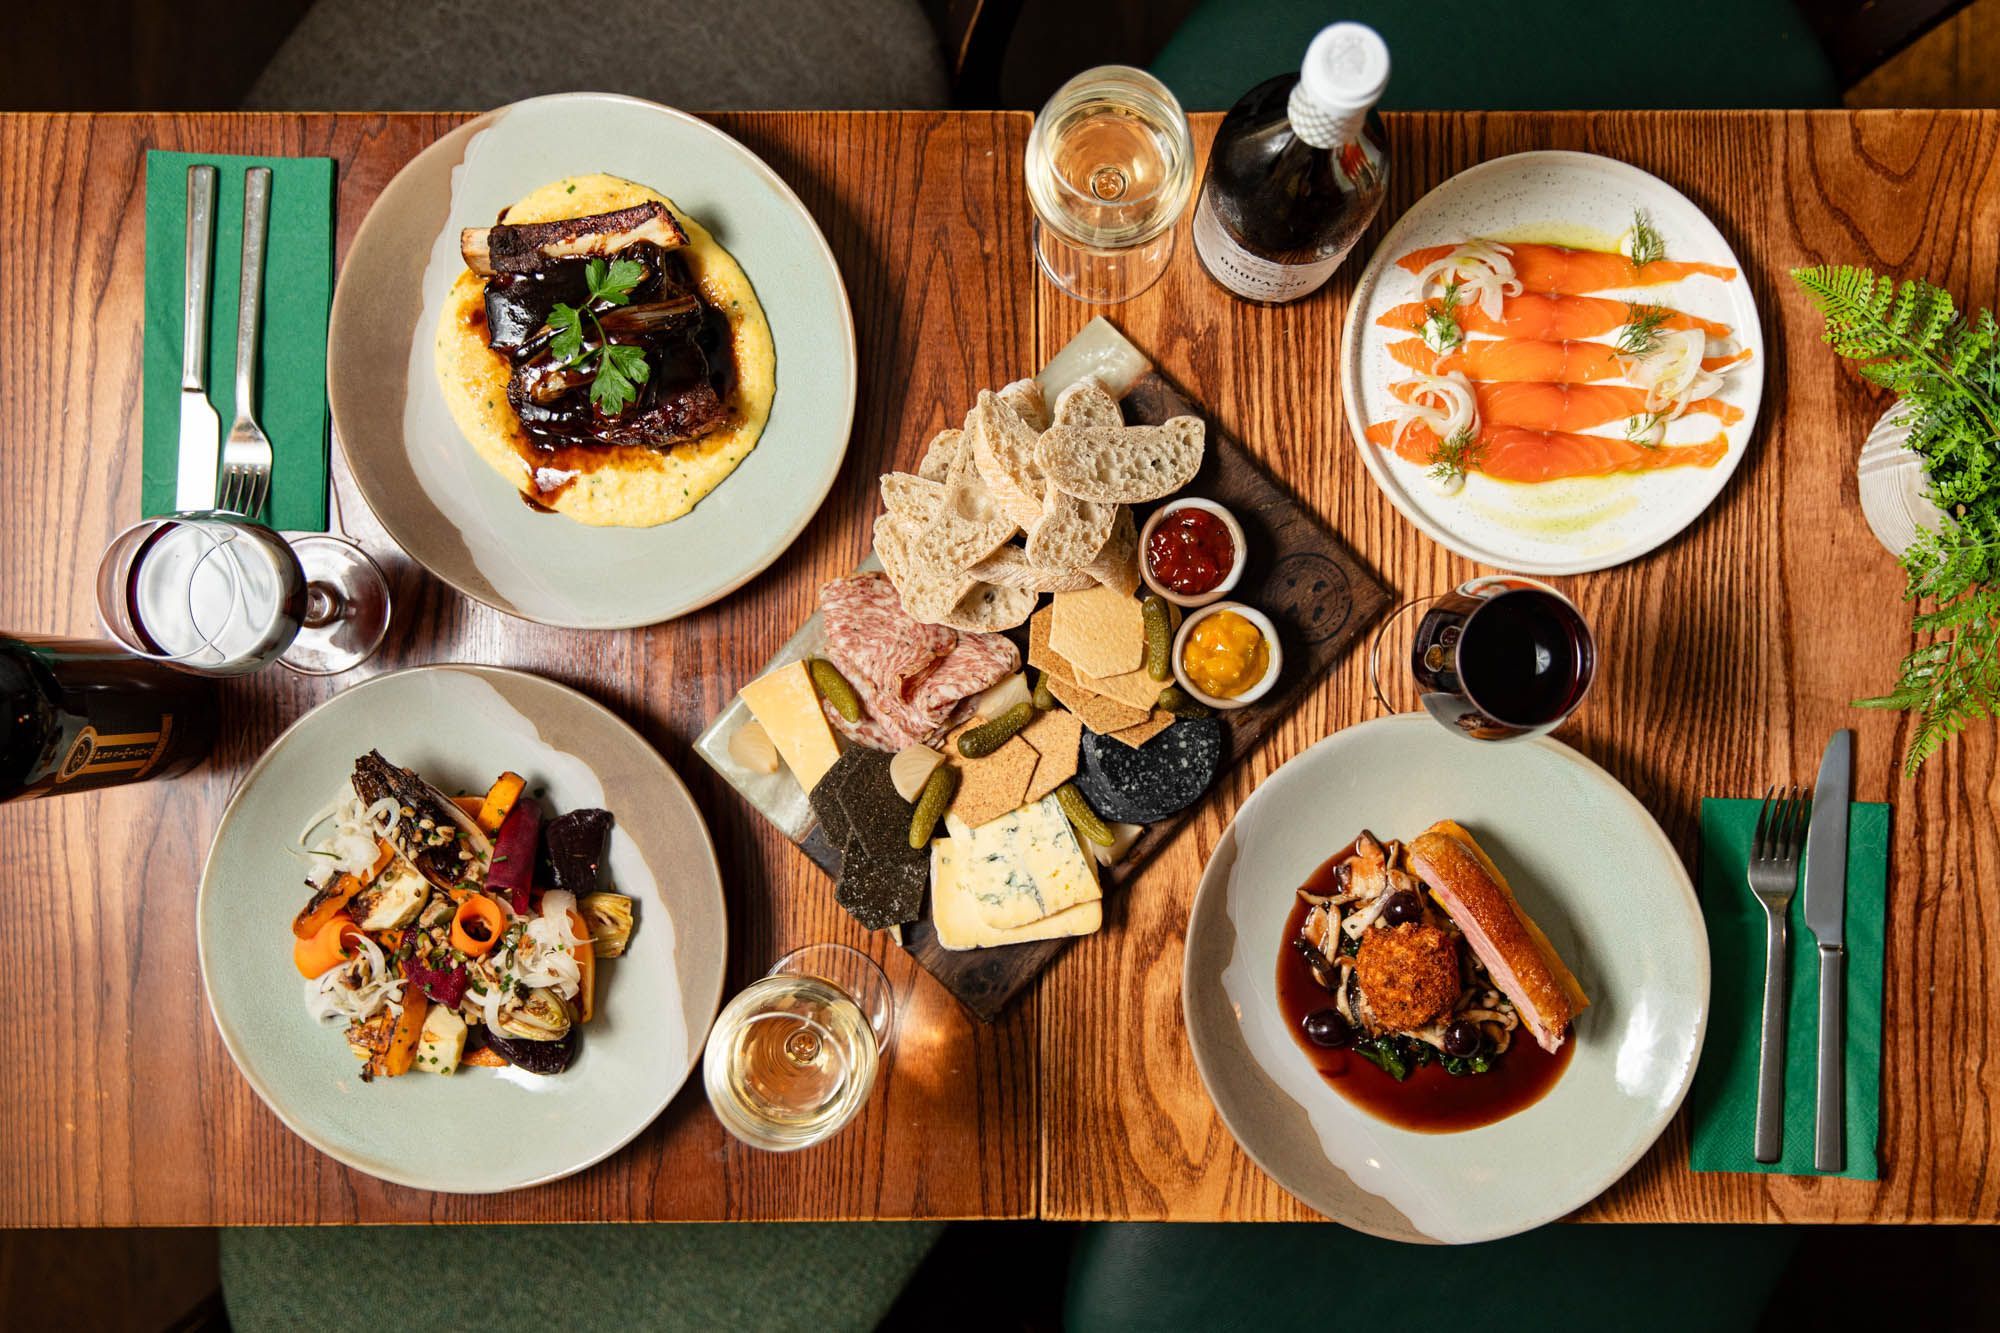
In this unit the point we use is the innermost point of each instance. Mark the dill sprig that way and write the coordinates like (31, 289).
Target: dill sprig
(1945, 367)
(1648, 430)
(1439, 327)
(1647, 245)
(1456, 455)
(1641, 335)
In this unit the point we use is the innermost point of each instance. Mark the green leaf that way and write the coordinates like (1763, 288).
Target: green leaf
(613, 285)
(567, 344)
(1456, 455)
(1641, 334)
(620, 372)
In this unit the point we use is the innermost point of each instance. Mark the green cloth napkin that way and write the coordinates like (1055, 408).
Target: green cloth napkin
(1724, 1100)
(298, 293)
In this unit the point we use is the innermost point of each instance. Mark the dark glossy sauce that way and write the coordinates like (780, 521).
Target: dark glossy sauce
(1429, 1101)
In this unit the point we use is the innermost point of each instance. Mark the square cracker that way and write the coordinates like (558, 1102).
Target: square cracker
(990, 786)
(1055, 735)
(1134, 688)
(1100, 714)
(1099, 631)
(1145, 731)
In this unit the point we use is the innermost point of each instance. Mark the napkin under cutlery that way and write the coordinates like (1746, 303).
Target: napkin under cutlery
(1722, 1106)
(298, 295)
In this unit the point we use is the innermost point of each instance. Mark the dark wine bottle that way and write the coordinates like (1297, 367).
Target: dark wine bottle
(1297, 171)
(76, 715)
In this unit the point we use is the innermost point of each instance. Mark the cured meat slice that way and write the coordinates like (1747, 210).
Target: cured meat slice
(910, 676)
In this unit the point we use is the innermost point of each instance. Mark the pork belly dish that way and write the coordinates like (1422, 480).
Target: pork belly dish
(1418, 985)
(604, 353)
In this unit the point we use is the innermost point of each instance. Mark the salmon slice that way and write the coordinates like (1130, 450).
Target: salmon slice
(1517, 360)
(1556, 268)
(1543, 406)
(1549, 315)
(1510, 453)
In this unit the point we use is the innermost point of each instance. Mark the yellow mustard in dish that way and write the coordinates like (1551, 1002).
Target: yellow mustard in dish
(1225, 655)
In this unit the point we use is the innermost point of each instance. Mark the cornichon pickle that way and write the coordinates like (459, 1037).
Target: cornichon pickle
(1180, 703)
(833, 687)
(987, 737)
(1045, 699)
(932, 802)
(1159, 639)
(1082, 816)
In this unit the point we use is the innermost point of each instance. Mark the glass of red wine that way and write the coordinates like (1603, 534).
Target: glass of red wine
(1497, 658)
(218, 595)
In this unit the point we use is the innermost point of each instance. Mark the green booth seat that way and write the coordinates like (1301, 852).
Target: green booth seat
(1519, 55)
(771, 1277)
(1321, 1278)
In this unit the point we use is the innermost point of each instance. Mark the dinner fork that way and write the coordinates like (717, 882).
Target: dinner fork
(246, 454)
(1774, 877)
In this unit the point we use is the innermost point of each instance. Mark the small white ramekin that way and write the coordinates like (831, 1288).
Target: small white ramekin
(1264, 627)
(1229, 578)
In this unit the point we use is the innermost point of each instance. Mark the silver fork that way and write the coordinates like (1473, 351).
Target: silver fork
(1774, 877)
(246, 454)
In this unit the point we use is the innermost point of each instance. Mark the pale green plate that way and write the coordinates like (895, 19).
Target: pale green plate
(461, 726)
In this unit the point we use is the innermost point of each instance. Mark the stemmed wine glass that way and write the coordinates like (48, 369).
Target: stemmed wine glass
(1496, 658)
(216, 594)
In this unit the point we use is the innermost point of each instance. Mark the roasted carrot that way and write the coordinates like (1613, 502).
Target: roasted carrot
(586, 966)
(500, 798)
(485, 1057)
(329, 947)
(477, 925)
(468, 805)
(404, 1036)
(320, 908)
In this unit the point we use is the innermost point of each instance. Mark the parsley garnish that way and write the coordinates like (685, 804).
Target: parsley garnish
(621, 369)
(1946, 369)
(1647, 245)
(1455, 455)
(1641, 334)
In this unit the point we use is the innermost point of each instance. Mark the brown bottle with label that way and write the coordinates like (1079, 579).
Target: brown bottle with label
(77, 715)
(1297, 172)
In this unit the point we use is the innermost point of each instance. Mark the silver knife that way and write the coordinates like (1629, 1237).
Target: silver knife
(1826, 917)
(201, 428)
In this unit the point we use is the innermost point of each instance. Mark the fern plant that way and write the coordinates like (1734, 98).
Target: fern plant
(1945, 367)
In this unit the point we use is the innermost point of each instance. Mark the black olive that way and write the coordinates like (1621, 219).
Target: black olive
(1325, 1027)
(1402, 908)
(1462, 1039)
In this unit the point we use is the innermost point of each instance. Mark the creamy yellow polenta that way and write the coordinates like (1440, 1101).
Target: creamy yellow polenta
(630, 487)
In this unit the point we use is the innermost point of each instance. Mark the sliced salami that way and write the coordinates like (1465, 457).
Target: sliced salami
(910, 676)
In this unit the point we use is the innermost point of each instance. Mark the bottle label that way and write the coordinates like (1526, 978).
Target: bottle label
(1253, 277)
(94, 755)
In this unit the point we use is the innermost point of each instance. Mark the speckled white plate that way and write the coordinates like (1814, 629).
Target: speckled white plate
(1583, 523)
(1589, 865)
(460, 726)
(459, 518)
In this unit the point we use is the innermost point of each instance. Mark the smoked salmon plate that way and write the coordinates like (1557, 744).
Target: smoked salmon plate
(1552, 363)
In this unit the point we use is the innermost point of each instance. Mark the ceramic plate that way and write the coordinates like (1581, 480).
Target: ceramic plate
(1585, 523)
(460, 726)
(1589, 865)
(459, 518)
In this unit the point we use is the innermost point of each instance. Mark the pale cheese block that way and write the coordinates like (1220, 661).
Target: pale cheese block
(955, 910)
(1024, 865)
(787, 705)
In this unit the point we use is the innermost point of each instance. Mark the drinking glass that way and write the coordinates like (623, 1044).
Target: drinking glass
(1110, 166)
(1497, 658)
(793, 1057)
(217, 595)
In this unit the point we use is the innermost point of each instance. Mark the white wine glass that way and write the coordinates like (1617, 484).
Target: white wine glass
(792, 1059)
(1110, 165)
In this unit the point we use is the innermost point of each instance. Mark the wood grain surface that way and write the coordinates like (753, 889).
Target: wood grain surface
(1729, 655)
(123, 1107)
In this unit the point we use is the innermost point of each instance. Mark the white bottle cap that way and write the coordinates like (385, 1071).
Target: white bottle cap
(1346, 67)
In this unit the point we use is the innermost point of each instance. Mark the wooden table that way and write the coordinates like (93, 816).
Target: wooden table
(1729, 656)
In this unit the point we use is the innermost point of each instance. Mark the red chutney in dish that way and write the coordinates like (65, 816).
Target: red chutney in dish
(1429, 1101)
(1190, 551)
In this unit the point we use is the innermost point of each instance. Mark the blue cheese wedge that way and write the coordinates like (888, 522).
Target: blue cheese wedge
(955, 908)
(1023, 866)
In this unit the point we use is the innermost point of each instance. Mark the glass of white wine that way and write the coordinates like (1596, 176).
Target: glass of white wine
(793, 1057)
(1110, 167)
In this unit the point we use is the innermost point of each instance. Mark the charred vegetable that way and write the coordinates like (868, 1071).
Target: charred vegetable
(575, 843)
(428, 829)
(609, 916)
(537, 1057)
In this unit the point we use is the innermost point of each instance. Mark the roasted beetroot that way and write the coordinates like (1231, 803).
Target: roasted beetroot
(575, 843)
(513, 870)
(446, 985)
(537, 1057)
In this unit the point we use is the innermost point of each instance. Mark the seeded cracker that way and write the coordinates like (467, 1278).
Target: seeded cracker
(990, 786)
(1054, 736)
(1145, 731)
(1098, 713)
(882, 881)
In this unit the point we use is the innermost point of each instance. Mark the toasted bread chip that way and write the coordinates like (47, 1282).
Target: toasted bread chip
(970, 524)
(928, 597)
(1070, 532)
(988, 608)
(1117, 565)
(1087, 403)
(1003, 444)
(1010, 568)
(937, 459)
(1122, 464)
(912, 497)
(1026, 398)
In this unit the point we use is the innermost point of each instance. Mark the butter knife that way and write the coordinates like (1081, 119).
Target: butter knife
(201, 429)
(1826, 917)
